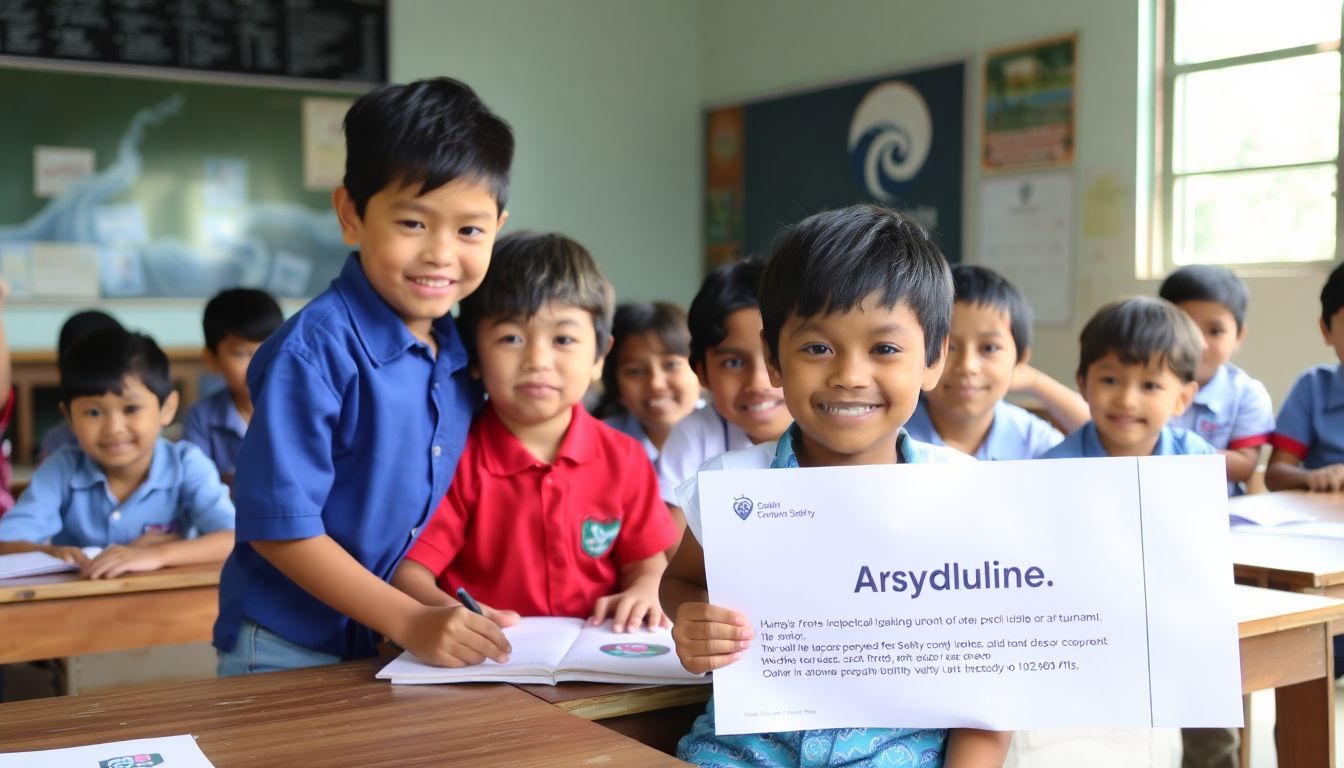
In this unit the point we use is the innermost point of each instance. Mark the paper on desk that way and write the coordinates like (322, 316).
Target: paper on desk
(1312, 529)
(37, 563)
(168, 751)
(1267, 515)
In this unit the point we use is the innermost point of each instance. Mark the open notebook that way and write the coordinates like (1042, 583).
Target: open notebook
(37, 563)
(551, 650)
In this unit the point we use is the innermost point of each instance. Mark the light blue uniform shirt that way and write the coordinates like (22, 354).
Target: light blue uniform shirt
(1084, 443)
(626, 423)
(1232, 411)
(1311, 422)
(68, 502)
(356, 431)
(1015, 433)
(215, 425)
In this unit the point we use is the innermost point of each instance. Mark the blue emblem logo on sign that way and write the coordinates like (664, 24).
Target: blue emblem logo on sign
(743, 506)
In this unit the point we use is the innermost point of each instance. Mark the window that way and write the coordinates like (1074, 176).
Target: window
(1249, 123)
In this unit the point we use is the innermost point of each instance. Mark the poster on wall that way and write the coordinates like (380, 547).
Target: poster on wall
(1026, 235)
(1029, 98)
(895, 140)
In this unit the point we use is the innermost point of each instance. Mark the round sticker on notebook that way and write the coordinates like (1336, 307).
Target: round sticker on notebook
(634, 650)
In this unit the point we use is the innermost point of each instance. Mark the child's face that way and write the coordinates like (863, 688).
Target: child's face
(119, 431)
(656, 386)
(423, 253)
(735, 374)
(852, 380)
(1334, 335)
(1131, 403)
(230, 361)
(981, 356)
(1221, 337)
(535, 369)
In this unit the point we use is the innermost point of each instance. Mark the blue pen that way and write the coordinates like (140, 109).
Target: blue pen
(469, 601)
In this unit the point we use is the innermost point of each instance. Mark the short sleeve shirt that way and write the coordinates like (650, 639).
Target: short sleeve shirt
(1311, 422)
(545, 539)
(1231, 411)
(68, 503)
(216, 427)
(356, 429)
(1084, 443)
(1015, 433)
(626, 423)
(693, 441)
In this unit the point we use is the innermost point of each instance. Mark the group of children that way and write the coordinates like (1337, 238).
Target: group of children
(372, 456)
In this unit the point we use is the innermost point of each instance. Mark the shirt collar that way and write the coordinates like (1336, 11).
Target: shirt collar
(907, 450)
(503, 453)
(1335, 397)
(1218, 392)
(1092, 447)
(381, 330)
(88, 474)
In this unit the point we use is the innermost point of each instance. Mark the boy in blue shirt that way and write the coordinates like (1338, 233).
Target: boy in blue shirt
(1309, 438)
(236, 321)
(363, 398)
(988, 356)
(855, 306)
(1231, 410)
(1137, 372)
(124, 488)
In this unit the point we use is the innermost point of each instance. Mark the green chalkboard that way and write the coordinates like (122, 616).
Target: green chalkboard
(125, 187)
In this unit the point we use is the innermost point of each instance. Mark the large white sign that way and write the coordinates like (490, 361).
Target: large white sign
(1001, 595)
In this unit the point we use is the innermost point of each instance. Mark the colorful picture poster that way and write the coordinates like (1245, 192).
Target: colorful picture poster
(1030, 92)
(896, 140)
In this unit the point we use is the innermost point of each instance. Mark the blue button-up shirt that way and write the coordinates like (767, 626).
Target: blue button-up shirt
(1311, 422)
(68, 502)
(215, 425)
(1084, 443)
(356, 430)
(1015, 433)
(1231, 411)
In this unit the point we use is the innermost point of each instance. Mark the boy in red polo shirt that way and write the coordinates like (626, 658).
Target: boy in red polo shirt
(551, 512)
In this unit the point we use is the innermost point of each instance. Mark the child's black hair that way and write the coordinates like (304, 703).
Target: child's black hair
(832, 261)
(100, 361)
(1205, 282)
(247, 313)
(426, 133)
(983, 287)
(727, 289)
(665, 322)
(80, 323)
(1138, 329)
(529, 270)
(1332, 295)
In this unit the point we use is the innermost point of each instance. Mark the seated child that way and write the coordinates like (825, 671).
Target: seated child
(1309, 438)
(6, 406)
(1137, 372)
(1231, 410)
(728, 357)
(551, 512)
(59, 436)
(856, 305)
(123, 486)
(988, 350)
(649, 385)
(236, 321)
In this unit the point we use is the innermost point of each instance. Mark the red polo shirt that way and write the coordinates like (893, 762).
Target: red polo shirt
(545, 539)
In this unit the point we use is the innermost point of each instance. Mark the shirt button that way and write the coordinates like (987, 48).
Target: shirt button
(414, 531)
(116, 514)
(435, 385)
(437, 451)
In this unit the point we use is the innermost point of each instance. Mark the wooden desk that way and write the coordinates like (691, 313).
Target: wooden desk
(337, 715)
(657, 715)
(65, 615)
(1298, 564)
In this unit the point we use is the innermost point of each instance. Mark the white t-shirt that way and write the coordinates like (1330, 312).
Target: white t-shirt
(693, 441)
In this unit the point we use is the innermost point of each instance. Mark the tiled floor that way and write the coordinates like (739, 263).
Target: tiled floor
(1262, 729)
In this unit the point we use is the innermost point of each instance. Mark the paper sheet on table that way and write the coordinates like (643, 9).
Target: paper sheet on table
(168, 751)
(1314, 529)
(1267, 515)
(1003, 595)
(22, 564)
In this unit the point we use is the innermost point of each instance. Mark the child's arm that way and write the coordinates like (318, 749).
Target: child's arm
(419, 582)
(974, 748)
(707, 636)
(1066, 407)
(1286, 473)
(679, 520)
(73, 555)
(38, 515)
(1241, 463)
(637, 602)
(117, 560)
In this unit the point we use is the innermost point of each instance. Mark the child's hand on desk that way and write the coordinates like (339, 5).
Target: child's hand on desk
(456, 637)
(1326, 479)
(629, 610)
(117, 560)
(72, 555)
(709, 637)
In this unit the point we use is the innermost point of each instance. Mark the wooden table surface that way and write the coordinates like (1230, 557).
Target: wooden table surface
(1296, 563)
(337, 715)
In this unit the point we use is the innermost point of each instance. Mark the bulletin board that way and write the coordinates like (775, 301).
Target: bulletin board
(119, 187)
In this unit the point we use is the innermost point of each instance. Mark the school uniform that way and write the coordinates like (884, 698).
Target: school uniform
(58, 436)
(1015, 433)
(6, 470)
(545, 539)
(822, 747)
(693, 441)
(626, 423)
(1232, 411)
(356, 430)
(1311, 421)
(68, 501)
(1085, 443)
(215, 425)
